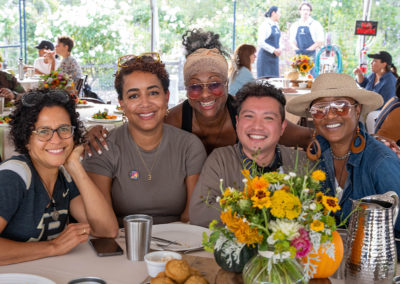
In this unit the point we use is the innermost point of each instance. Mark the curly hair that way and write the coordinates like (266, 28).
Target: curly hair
(197, 38)
(145, 64)
(260, 88)
(24, 117)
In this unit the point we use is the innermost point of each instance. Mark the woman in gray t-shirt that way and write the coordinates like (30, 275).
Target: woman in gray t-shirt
(150, 167)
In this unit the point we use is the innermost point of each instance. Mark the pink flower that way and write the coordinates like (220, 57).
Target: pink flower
(60, 76)
(302, 243)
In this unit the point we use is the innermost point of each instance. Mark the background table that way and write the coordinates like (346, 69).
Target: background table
(30, 83)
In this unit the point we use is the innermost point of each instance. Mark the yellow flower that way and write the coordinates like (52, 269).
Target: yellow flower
(319, 196)
(261, 199)
(304, 67)
(318, 175)
(317, 226)
(55, 73)
(330, 203)
(46, 85)
(227, 192)
(285, 204)
(246, 174)
(254, 184)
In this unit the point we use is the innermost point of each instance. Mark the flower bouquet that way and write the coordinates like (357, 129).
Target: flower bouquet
(285, 215)
(58, 80)
(302, 63)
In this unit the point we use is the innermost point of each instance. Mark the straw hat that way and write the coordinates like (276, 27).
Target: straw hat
(335, 85)
(205, 60)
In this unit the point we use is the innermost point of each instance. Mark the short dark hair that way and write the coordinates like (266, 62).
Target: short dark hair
(138, 64)
(67, 40)
(260, 88)
(23, 118)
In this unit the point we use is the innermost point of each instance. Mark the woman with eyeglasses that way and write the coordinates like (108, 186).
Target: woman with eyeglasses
(356, 164)
(150, 167)
(208, 112)
(40, 188)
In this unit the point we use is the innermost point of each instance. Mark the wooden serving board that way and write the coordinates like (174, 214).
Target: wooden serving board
(212, 272)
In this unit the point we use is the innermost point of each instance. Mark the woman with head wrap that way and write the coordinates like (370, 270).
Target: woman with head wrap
(268, 42)
(208, 112)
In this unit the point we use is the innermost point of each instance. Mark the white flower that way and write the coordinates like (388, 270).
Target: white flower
(271, 240)
(218, 199)
(313, 206)
(287, 177)
(292, 174)
(244, 180)
(306, 190)
(288, 227)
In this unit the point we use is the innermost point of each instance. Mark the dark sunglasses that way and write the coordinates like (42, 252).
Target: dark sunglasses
(44, 134)
(339, 107)
(194, 91)
(34, 98)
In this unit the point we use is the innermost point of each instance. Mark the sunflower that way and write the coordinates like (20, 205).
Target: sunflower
(317, 226)
(261, 199)
(330, 203)
(304, 67)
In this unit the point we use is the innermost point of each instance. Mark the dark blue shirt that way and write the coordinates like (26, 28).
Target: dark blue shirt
(24, 202)
(375, 170)
(386, 86)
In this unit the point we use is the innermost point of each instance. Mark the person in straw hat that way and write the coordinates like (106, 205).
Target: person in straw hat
(356, 164)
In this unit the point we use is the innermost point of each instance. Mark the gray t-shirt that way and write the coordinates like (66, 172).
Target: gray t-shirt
(226, 163)
(180, 154)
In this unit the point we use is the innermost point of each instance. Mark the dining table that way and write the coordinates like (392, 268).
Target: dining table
(29, 83)
(82, 261)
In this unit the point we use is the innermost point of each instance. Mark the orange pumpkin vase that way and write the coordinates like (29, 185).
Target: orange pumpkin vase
(326, 266)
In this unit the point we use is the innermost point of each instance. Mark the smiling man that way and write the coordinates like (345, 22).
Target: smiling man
(260, 124)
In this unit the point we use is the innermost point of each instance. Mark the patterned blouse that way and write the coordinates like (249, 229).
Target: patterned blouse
(70, 66)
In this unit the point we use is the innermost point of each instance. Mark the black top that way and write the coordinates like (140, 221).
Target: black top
(187, 114)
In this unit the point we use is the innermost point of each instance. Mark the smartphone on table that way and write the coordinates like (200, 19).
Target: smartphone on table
(106, 247)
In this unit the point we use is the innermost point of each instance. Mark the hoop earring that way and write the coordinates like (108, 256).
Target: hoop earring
(357, 149)
(314, 144)
(166, 113)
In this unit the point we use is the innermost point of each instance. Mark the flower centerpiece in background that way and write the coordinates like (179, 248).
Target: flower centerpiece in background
(285, 215)
(302, 63)
(58, 80)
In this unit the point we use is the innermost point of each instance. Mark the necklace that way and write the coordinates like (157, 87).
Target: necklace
(209, 145)
(54, 214)
(344, 157)
(149, 171)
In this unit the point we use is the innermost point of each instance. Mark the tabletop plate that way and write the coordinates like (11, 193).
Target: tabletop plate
(20, 278)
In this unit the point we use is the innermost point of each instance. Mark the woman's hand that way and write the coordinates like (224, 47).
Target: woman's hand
(388, 142)
(74, 158)
(74, 234)
(359, 74)
(6, 93)
(95, 135)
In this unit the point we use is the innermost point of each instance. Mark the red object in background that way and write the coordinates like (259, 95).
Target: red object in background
(364, 68)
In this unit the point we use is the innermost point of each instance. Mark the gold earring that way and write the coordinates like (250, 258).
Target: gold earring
(166, 113)
(314, 144)
(357, 149)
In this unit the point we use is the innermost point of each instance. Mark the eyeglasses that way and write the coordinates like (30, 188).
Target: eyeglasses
(340, 107)
(45, 134)
(148, 57)
(216, 88)
(34, 98)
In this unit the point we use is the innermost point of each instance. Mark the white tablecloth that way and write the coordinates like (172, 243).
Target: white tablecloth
(30, 83)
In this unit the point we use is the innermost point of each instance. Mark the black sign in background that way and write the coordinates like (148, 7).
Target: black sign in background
(368, 28)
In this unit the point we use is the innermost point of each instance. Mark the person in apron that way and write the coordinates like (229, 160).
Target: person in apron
(307, 34)
(268, 41)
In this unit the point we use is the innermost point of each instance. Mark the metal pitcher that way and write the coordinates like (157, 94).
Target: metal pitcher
(371, 255)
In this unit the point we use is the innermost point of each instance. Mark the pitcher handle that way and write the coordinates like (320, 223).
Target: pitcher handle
(395, 204)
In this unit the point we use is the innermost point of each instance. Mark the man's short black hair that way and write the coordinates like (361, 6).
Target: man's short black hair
(260, 88)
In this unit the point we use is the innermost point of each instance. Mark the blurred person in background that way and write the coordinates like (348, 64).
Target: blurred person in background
(69, 65)
(10, 88)
(45, 63)
(269, 35)
(240, 70)
(382, 79)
